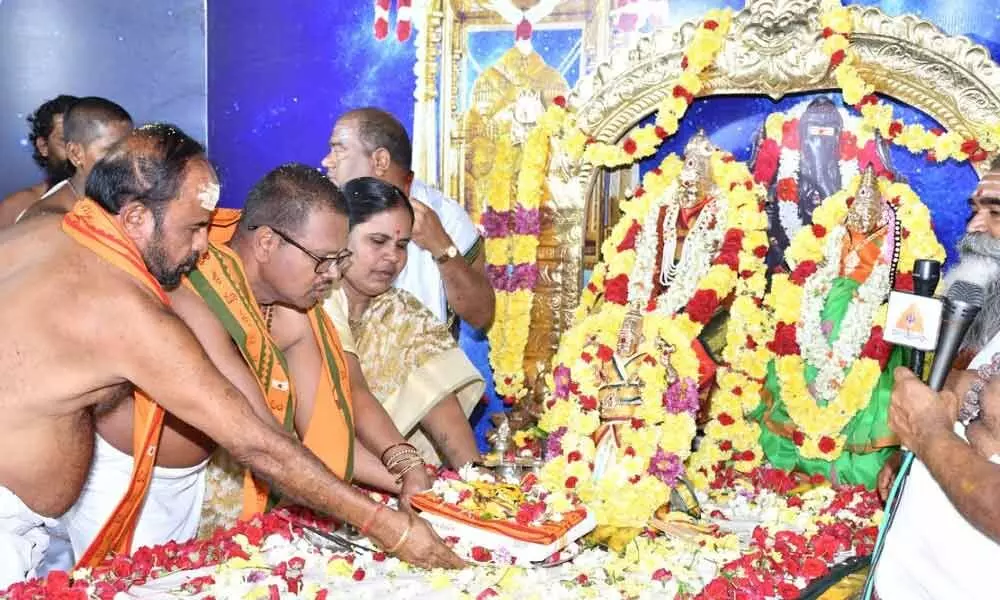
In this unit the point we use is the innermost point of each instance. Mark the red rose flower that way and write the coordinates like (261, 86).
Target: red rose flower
(605, 353)
(798, 437)
(726, 419)
(826, 444)
(684, 62)
(560, 101)
(629, 146)
(813, 568)
(718, 589)
(788, 190)
(818, 230)
(586, 357)
(630, 451)
(848, 146)
(895, 128)
(904, 282)
(802, 272)
(616, 289)
(876, 348)
(969, 146)
(795, 501)
(710, 25)
(628, 242)
(379, 556)
(582, 579)
(480, 554)
(702, 306)
(751, 343)
(785, 342)
(760, 251)
(787, 591)
(573, 456)
(661, 133)
(790, 134)
(487, 593)
(836, 58)
(571, 482)
(588, 403)
(662, 574)
(827, 32)
(767, 162)
(726, 445)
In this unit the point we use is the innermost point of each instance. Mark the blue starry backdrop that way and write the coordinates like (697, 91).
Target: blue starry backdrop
(262, 82)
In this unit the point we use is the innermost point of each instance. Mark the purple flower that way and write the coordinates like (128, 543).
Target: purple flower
(495, 224)
(666, 467)
(682, 396)
(560, 376)
(526, 222)
(499, 277)
(523, 277)
(553, 445)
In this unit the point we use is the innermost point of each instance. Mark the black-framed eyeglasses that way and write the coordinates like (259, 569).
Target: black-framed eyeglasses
(323, 263)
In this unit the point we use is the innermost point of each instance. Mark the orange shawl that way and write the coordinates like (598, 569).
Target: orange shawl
(221, 282)
(95, 229)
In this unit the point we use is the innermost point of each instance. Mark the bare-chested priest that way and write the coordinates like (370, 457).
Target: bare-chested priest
(142, 229)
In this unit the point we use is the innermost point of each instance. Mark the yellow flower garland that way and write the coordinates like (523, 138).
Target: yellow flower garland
(509, 336)
(838, 25)
(628, 495)
(643, 141)
(785, 304)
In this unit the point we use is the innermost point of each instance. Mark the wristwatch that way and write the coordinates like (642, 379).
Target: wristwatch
(449, 253)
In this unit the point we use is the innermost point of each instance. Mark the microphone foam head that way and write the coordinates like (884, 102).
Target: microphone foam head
(967, 292)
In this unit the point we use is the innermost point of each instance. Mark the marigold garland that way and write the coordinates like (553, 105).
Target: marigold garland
(815, 253)
(653, 448)
(512, 250)
(838, 25)
(700, 53)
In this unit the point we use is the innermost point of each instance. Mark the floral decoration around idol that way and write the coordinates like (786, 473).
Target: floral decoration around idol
(623, 459)
(850, 368)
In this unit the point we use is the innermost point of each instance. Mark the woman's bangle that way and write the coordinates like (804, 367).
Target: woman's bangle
(386, 451)
(371, 520)
(402, 538)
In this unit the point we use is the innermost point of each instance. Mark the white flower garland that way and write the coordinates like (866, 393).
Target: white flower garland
(834, 361)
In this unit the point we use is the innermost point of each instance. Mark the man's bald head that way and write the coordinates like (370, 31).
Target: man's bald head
(379, 129)
(87, 117)
(147, 166)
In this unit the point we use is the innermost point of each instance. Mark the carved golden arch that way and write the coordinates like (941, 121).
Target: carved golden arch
(773, 49)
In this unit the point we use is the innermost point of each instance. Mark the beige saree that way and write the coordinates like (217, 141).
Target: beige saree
(410, 360)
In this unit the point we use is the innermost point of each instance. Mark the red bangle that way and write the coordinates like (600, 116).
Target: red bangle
(371, 520)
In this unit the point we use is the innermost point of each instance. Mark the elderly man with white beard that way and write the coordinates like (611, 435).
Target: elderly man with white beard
(943, 539)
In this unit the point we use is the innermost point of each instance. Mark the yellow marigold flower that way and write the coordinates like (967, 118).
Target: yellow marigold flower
(834, 43)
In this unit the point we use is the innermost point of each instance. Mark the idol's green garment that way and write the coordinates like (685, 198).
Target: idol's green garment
(868, 432)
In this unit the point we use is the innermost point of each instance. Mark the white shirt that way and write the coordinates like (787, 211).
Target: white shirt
(931, 552)
(421, 276)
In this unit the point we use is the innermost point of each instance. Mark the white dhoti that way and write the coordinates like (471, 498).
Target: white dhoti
(24, 539)
(170, 512)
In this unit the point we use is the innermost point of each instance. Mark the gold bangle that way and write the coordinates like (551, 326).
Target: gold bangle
(402, 538)
(407, 469)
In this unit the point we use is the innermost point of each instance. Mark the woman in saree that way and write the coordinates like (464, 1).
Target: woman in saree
(412, 364)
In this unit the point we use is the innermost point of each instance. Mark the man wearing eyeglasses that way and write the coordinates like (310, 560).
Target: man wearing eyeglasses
(253, 303)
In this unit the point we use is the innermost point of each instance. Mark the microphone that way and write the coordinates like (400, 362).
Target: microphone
(926, 274)
(961, 305)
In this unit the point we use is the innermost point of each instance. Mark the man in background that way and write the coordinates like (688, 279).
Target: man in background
(90, 128)
(49, 153)
(446, 265)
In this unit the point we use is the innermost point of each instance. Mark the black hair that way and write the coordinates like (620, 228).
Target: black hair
(369, 196)
(379, 129)
(286, 197)
(42, 122)
(83, 121)
(147, 166)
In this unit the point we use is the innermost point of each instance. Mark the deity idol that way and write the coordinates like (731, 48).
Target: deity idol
(805, 156)
(827, 390)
